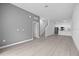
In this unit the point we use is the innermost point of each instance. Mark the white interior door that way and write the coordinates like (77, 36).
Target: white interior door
(36, 29)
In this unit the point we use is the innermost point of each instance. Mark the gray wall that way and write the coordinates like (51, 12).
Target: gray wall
(75, 25)
(15, 24)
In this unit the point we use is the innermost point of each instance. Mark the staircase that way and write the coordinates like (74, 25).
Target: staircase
(43, 25)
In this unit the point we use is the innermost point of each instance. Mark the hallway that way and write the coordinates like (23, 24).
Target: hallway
(51, 46)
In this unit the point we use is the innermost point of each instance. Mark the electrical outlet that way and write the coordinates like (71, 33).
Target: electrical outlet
(18, 30)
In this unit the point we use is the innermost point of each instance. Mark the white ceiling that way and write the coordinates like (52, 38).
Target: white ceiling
(51, 11)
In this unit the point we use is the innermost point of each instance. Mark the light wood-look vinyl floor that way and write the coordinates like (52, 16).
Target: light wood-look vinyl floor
(50, 46)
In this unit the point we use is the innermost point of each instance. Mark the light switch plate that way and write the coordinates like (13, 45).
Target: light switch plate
(22, 29)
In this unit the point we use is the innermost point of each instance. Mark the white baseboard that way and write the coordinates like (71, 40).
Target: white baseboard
(15, 43)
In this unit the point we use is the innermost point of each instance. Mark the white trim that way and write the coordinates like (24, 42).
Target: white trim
(15, 43)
